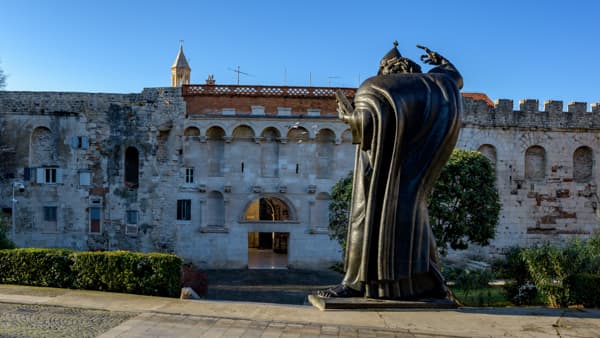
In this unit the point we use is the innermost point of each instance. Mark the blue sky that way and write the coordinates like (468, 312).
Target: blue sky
(506, 49)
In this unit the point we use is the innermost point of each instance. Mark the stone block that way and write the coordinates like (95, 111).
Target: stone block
(529, 105)
(577, 107)
(553, 106)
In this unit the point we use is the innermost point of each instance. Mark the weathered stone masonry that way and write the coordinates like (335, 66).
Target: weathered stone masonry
(182, 172)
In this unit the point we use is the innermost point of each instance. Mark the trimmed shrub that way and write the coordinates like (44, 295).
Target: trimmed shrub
(132, 272)
(585, 289)
(37, 267)
(117, 271)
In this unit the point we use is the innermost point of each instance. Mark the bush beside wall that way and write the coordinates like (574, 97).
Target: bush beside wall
(117, 271)
(585, 289)
(37, 267)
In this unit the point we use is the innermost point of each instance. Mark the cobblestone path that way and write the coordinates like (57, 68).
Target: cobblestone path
(171, 325)
(20, 320)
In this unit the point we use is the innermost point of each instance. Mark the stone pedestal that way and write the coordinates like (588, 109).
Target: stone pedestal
(361, 303)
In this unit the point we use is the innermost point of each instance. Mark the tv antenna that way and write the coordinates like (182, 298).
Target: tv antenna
(238, 71)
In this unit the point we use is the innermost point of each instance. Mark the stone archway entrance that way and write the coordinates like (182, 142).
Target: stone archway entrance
(267, 249)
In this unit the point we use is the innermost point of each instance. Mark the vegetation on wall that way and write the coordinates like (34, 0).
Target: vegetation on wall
(463, 206)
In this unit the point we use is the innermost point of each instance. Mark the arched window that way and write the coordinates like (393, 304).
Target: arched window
(583, 163)
(191, 131)
(244, 137)
(325, 142)
(489, 151)
(43, 147)
(215, 205)
(535, 163)
(215, 142)
(296, 149)
(132, 167)
(268, 209)
(243, 133)
(269, 153)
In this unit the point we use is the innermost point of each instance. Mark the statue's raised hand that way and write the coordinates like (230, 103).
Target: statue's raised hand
(431, 57)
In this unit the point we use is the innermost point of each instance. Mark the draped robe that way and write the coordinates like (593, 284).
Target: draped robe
(406, 126)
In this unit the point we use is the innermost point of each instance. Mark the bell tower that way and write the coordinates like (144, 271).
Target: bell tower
(180, 70)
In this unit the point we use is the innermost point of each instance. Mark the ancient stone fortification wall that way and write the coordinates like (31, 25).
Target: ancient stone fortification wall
(69, 149)
(106, 171)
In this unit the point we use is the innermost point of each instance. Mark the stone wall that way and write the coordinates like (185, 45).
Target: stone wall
(106, 171)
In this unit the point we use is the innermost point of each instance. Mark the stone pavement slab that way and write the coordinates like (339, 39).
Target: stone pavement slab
(168, 317)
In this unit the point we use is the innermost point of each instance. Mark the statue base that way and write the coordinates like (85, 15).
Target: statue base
(359, 303)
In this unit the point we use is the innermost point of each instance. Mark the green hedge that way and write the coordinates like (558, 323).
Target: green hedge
(38, 267)
(132, 272)
(117, 271)
(585, 289)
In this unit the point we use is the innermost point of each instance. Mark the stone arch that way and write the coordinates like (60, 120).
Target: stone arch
(191, 131)
(243, 132)
(215, 204)
(132, 167)
(583, 164)
(215, 142)
(489, 152)
(535, 163)
(42, 147)
(347, 136)
(269, 208)
(269, 152)
(325, 142)
(296, 148)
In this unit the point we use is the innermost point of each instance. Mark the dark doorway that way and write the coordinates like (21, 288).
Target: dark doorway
(268, 250)
(132, 167)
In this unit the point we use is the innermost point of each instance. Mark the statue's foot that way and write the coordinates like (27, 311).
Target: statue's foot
(340, 291)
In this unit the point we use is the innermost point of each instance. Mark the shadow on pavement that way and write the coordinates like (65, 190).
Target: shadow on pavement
(289, 286)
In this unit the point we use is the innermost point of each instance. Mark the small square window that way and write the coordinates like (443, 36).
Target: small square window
(50, 214)
(85, 178)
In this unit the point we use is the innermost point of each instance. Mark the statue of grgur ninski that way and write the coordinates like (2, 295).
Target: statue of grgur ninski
(405, 124)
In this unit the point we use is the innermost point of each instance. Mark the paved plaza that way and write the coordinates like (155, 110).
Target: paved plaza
(48, 312)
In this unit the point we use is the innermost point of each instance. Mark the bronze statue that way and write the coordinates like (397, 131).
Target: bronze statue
(405, 124)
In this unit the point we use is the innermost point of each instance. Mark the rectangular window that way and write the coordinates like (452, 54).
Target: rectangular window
(184, 210)
(95, 216)
(189, 175)
(50, 214)
(50, 176)
(85, 178)
(132, 217)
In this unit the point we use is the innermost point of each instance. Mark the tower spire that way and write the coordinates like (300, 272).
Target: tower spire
(180, 70)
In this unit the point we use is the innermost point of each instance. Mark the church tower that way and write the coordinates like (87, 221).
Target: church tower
(180, 70)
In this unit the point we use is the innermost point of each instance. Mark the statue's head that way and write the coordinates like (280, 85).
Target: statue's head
(393, 63)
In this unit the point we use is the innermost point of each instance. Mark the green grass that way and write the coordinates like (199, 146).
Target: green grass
(489, 296)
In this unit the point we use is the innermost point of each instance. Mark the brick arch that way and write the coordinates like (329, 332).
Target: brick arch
(297, 134)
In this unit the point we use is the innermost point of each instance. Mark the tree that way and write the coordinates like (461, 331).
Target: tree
(463, 206)
(2, 79)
